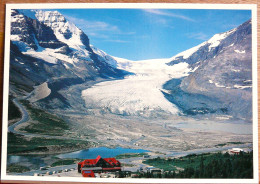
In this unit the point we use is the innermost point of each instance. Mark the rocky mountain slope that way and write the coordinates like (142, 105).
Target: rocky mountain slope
(45, 47)
(221, 81)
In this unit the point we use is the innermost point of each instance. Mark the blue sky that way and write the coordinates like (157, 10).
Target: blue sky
(138, 34)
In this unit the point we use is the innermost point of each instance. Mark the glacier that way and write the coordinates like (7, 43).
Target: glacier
(138, 94)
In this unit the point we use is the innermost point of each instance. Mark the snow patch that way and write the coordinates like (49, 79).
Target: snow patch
(17, 18)
(224, 117)
(235, 70)
(240, 52)
(187, 53)
(231, 45)
(195, 69)
(228, 87)
(14, 37)
(241, 87)
(51, 56)
(219, 86)
(107, 58)
(215, 40)
(42, 55)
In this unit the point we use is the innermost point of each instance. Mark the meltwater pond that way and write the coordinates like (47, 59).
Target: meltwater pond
(37, 161)
(104, 152)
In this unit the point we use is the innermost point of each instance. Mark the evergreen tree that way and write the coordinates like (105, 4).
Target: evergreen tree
(201, 169)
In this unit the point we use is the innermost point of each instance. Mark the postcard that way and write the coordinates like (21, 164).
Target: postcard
(130, 93)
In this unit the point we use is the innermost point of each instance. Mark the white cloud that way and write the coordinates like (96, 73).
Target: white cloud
(198, 36)
(117, 41)
(160, 21)
(100, 26)
(168, 14)
(95, 34)
(100, 29)
(127, 33)
(92, 27)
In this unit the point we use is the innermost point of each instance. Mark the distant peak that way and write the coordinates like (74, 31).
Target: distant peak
(48, 12)
(49, 16)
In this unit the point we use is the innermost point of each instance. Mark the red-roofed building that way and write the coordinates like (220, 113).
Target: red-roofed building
(236, 151)
(99, 165)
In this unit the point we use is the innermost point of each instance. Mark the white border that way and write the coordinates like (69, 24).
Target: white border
(130, 6)
(255, 92)
(252, 7)
(5, 93)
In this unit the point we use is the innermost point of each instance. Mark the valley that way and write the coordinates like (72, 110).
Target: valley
(114, 111)
(67, 95)
(134, 113)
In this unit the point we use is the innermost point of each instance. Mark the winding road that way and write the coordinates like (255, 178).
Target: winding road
(25, 117)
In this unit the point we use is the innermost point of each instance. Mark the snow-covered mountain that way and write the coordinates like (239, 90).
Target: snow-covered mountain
(64, 30)
(54, 65)
(46, 47)
(204, 50)
(105, 57)
(213, 78)
(222, 77)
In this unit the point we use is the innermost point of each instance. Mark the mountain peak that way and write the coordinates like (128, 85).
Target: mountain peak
(49, 17)
(49, 36)
(64, 30)
(208, 49)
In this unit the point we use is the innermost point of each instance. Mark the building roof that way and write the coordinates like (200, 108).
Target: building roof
(237, 150)
(92, 162)
(112, 161)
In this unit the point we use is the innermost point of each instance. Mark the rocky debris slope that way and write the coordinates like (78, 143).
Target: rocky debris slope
(221, 81)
